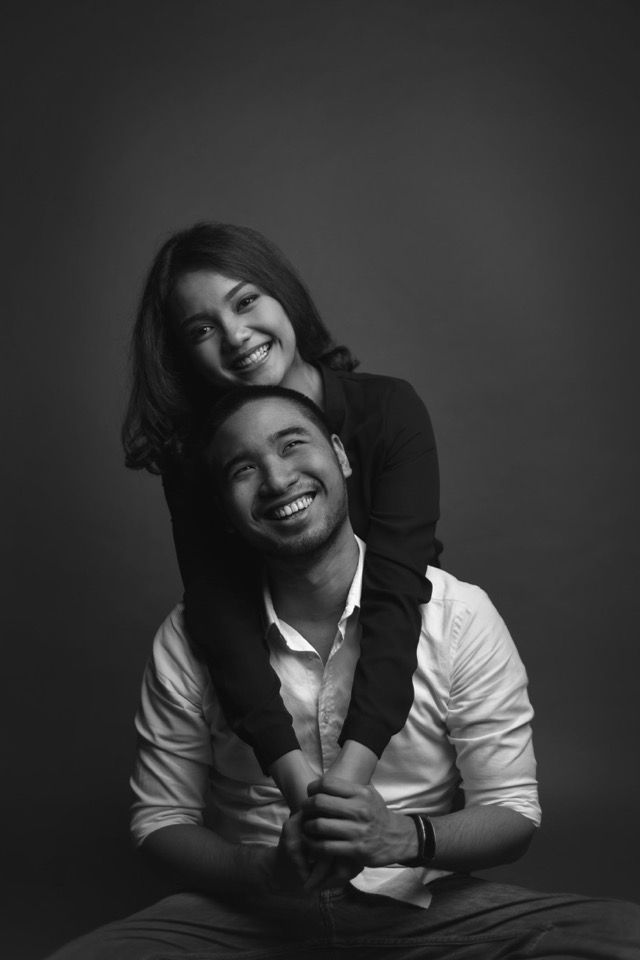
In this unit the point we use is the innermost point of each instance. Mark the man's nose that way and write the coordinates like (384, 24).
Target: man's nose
(277, 476)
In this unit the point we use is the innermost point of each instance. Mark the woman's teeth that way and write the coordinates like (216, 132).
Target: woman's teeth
(254, 357)
(290, 508)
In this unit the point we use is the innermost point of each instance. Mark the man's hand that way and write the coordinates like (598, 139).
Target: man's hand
(290, 869)
(293, 871)
(352, 822)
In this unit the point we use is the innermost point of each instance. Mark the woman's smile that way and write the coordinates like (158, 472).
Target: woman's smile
(234, 332)
(249, 361)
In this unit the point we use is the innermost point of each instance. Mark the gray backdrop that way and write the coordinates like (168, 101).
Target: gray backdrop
(458, 184)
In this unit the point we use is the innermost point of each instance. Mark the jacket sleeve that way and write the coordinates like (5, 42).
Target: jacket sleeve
(400, 544)
(221, 576)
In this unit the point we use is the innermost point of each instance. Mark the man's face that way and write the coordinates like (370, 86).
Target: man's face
(282, 481)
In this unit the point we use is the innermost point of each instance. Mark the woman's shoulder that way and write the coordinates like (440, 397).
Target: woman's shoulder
(181, 470)
(372, 387)
(366, 380)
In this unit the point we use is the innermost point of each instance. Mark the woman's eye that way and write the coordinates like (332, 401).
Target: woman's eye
(242, 471)
(246, 301)
(199, 333)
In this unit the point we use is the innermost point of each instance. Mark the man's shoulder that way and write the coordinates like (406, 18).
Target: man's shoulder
(447, 589)
(173, 657)
(457, 612)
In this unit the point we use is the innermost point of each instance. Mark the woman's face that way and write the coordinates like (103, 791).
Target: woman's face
(234, 333)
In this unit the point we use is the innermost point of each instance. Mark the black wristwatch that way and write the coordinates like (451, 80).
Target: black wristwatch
(426, 841)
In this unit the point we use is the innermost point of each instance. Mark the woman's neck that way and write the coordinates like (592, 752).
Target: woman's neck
(305, 378)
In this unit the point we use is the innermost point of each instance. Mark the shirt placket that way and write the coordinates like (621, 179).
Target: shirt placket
(328, 715)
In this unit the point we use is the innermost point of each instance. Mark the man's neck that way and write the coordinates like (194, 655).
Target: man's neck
(310, 592)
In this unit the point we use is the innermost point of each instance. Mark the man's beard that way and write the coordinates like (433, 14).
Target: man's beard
(312, 542)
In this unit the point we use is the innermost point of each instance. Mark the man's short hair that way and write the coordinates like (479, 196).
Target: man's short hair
(235, 399)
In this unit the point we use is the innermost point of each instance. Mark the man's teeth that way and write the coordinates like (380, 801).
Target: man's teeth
(290, 508)
(254, 357)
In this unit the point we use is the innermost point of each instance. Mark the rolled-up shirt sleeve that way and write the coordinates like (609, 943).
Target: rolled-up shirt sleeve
(489, 714)
(173, 760)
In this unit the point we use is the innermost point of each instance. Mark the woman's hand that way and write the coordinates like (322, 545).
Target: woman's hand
(293, 872)
(352, 822)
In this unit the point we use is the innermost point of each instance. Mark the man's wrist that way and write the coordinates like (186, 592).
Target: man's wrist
(408, 841)
(259, 865)
(425, 841)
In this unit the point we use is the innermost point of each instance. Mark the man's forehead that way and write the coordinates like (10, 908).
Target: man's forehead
(260, 423)
(268, 412)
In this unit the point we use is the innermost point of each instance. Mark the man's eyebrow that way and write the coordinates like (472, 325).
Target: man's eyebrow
(206, 314)
(298, 430)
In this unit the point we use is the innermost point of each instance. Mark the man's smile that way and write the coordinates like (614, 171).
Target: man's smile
(293, 508)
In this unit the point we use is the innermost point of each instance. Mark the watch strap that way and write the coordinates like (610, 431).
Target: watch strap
(426, 840)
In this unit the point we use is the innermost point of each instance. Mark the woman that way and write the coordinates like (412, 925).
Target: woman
(222, 308)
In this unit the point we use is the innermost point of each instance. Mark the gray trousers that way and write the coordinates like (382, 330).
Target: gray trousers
(469, 919)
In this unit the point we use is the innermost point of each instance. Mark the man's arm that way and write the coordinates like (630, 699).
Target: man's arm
(202, 860)
(488, 724)
(170, 783)
(350, 821)
(171, 773)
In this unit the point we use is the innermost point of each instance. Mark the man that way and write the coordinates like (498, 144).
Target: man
(281, 479)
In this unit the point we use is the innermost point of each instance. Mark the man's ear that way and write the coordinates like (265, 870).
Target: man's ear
(343, 459)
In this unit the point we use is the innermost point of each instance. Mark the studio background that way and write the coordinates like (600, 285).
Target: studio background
(457, 182)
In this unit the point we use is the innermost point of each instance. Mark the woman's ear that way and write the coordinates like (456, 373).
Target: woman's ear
(341, 456)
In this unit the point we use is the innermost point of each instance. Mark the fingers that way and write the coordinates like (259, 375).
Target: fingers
(335, 787)
(319, 874)
(335, 849)
(331, 829)
(331, 872)
(352, 811)
(293, 842)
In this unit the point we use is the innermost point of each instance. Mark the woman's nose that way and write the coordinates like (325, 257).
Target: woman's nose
(234, 332)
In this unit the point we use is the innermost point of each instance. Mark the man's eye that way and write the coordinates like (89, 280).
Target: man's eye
(246, 301)
(292, 443)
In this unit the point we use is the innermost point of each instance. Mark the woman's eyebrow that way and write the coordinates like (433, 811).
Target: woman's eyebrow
(231, 293)
(208, 314)
(195, 317)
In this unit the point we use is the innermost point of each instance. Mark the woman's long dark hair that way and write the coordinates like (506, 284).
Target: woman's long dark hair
(167, 397)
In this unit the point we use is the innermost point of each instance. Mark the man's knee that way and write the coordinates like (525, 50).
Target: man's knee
(622, 917)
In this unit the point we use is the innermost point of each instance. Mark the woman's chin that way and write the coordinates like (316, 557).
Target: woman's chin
(267, 375)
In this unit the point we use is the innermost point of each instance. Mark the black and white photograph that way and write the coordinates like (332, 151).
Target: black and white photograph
(321, 471)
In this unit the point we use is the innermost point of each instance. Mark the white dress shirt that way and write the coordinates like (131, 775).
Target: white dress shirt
(469, 726)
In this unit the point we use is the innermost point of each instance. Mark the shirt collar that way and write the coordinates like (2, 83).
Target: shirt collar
(351, 605)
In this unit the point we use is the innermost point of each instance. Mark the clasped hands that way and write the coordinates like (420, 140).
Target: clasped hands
(341, 828)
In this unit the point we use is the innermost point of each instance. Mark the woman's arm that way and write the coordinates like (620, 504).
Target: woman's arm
(223, 604)
(403, 511)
